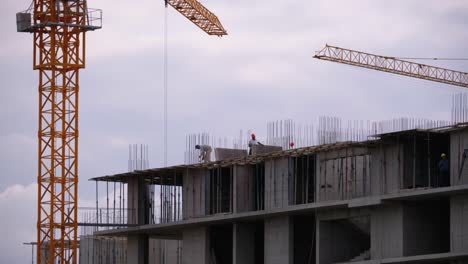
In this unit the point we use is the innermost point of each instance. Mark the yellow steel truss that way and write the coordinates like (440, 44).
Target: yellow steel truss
(59, 52)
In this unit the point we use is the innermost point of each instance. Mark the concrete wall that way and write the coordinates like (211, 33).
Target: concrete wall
(459, 223)
(243, 189)
(458, 143)
(195, 246)
(244, 243)
(102, 250)
(164, 251)
(279, 248)
(263, 149)
(387, 231)
(224, 153)
(194, 193)
(386, 169)
(137, 249)
(329, 182)
(344, 174)
(277, 183)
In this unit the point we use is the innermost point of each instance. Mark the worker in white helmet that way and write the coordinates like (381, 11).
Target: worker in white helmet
(205, 153)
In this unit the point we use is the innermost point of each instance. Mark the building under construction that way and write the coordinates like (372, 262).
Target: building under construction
(383, 200)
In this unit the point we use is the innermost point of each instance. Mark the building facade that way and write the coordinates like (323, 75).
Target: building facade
(385, 200)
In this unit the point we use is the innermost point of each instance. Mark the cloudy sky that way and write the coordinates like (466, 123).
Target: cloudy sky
(262, 71)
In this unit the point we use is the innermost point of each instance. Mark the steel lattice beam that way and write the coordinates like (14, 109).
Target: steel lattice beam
(199, 15)
(393, 65)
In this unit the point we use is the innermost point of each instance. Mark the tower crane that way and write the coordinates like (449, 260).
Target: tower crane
(59, 31)
(393, 65)
(396, 66)
(59, 28)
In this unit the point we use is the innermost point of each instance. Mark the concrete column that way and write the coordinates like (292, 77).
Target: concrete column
(243, 243)
(195, 246)
(138, 214)
(279, 248)
(137, 249)
(138, 200)
(459, 223)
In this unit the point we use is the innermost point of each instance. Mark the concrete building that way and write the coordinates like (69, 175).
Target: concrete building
(378, 201)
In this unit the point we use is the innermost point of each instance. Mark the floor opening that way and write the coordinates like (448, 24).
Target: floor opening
(426, 227)
(221, 244)
(422, 160)
(220, 191)
(259, 186)
(259, 235)
(304, 239)
(304, 179)
(345, 240)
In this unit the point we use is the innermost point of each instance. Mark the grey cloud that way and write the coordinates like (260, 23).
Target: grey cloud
(262, 71)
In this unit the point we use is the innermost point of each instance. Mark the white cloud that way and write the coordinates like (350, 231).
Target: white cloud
(18, 204)
(18, 222)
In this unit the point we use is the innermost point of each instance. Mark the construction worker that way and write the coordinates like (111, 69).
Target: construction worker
(205, 153)
(444, 174)
(253, 141)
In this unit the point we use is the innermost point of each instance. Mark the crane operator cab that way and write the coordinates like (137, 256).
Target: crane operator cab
(68, 13)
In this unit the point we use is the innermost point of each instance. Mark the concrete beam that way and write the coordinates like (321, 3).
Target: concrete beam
(167, 230)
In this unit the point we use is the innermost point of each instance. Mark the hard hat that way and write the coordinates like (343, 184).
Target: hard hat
(253, 135)
(443, 155)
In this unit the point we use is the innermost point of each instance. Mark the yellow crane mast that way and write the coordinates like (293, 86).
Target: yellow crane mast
(59, 28)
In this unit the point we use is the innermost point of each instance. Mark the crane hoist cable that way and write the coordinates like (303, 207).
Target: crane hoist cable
(440, 59)
(165, 83)
(205, 20)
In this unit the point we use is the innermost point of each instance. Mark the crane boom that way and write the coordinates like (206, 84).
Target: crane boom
(199, 15)
(393, 65)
